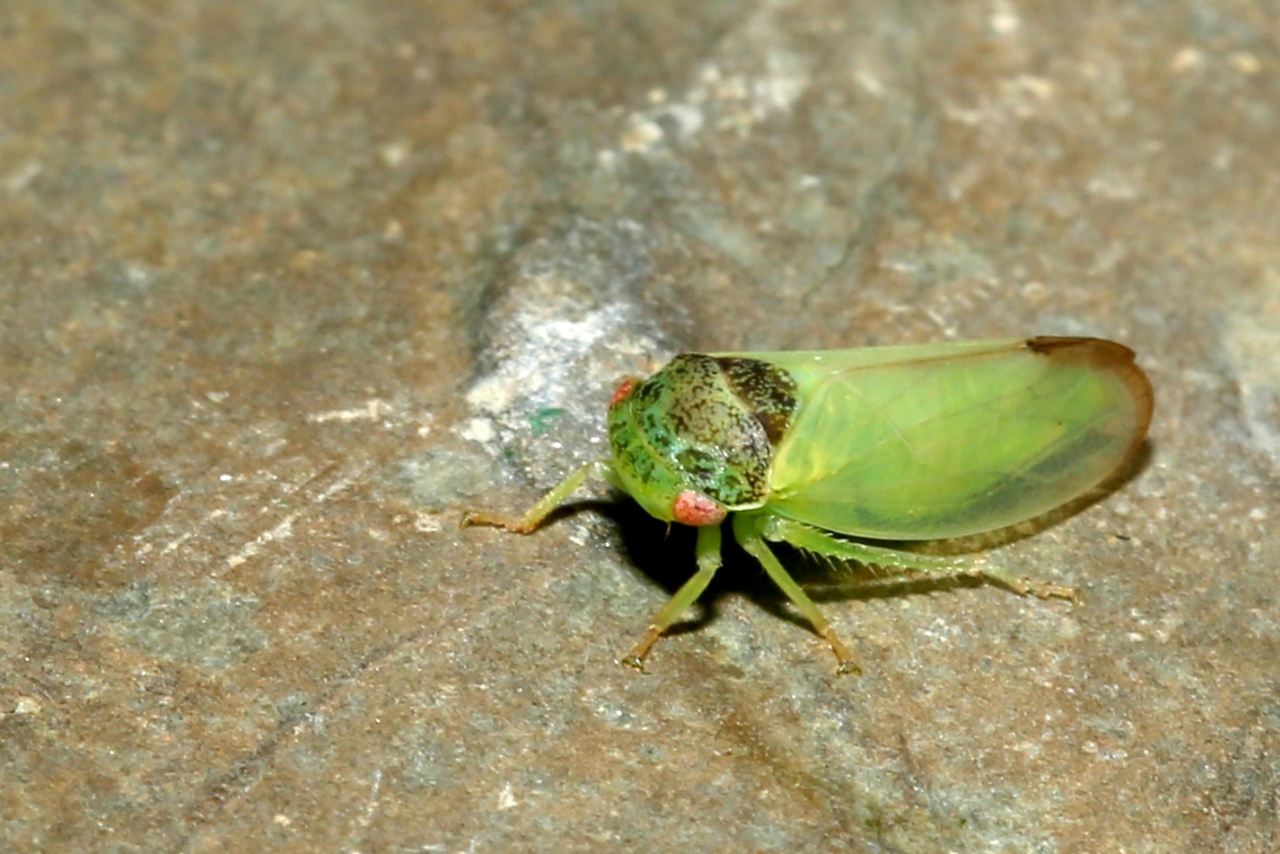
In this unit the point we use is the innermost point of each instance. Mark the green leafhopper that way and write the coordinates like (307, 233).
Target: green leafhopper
(917, 442)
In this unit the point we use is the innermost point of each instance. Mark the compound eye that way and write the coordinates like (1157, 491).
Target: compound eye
(622, 392)
(696, 509)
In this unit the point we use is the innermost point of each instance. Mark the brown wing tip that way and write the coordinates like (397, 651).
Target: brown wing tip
(1104, 355)
(1097, 348)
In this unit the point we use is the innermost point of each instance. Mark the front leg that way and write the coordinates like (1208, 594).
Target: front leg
(548, 503)
(708, 556)
(814, 540)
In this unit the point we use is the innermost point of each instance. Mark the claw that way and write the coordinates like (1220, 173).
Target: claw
(480, 518)
(632, 660)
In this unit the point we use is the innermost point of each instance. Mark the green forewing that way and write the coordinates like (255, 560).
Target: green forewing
(944, 440)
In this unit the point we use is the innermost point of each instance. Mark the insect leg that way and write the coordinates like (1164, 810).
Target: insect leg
(746, 528)
(707, 552)
(820, 542)
(547, 503)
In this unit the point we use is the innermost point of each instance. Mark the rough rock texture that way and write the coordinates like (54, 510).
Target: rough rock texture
(286, 287)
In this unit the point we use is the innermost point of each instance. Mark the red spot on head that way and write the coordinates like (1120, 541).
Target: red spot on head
(622, 392)
(694, 508)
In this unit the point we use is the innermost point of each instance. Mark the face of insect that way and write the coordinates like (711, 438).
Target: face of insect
(695, 440)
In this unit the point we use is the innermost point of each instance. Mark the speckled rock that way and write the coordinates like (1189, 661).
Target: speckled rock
(286, 288)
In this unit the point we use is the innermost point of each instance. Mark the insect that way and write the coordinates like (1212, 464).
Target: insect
(810, 448)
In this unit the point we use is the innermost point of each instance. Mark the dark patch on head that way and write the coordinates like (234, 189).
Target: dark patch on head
(767, 390)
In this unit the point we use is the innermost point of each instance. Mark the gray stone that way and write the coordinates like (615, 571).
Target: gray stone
(286, 288)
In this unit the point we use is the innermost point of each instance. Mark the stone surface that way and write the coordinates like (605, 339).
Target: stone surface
(285, 288)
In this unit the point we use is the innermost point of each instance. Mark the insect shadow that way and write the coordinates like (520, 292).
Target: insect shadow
(664, 553)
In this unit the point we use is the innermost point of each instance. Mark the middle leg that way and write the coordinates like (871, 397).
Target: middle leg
(746, 529)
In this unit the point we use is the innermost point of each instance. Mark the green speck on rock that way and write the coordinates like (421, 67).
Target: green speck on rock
(540, 422)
